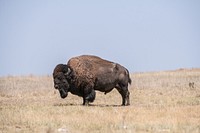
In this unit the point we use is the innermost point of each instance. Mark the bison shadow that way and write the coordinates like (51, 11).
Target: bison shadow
(90, 105)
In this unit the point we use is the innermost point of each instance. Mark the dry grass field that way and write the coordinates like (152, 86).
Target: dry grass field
(161, 102)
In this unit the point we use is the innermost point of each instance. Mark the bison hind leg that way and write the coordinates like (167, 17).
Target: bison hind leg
(123, 90)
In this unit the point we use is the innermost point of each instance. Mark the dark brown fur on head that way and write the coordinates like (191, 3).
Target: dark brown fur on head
(60, 68)
(61, 83)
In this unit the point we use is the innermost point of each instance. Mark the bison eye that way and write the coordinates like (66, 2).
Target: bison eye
(56, 81)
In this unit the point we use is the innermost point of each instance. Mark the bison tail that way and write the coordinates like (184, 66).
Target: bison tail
(129, 80)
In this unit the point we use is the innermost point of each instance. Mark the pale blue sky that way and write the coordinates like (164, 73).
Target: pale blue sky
(142, 35)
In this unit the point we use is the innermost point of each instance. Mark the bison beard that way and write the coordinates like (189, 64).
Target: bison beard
(84, 74)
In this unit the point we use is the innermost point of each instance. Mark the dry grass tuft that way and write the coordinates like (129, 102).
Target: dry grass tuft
(161, 102)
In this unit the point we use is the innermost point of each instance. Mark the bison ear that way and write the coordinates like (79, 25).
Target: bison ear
(66, 70)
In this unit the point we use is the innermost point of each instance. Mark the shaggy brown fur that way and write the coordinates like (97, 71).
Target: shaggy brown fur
(85, 68)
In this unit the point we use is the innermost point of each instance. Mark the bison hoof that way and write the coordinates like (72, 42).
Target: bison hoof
(126, 104)
(86, 103)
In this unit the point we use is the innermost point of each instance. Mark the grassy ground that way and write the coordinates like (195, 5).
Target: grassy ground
(161, 102)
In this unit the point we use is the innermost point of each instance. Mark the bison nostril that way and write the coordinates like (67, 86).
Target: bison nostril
(56, 86)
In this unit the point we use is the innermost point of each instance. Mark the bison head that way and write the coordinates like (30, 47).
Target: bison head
(61, 83)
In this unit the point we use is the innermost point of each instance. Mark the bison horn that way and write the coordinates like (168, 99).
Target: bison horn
(67, 70)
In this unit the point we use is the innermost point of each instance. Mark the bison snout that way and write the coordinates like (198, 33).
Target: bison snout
(63, 94)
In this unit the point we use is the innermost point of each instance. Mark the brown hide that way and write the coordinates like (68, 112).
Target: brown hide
(86, 68)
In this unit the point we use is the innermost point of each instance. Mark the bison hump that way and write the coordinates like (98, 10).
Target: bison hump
(87, 67)
(83, 71)
(88, 64)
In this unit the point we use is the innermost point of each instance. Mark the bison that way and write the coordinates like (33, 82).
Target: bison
(82, 75)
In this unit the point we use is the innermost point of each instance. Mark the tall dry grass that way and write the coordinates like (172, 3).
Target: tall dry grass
(160, 102)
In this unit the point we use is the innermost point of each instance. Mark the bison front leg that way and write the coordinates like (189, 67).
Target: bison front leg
(89, 96)
(85, 102)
